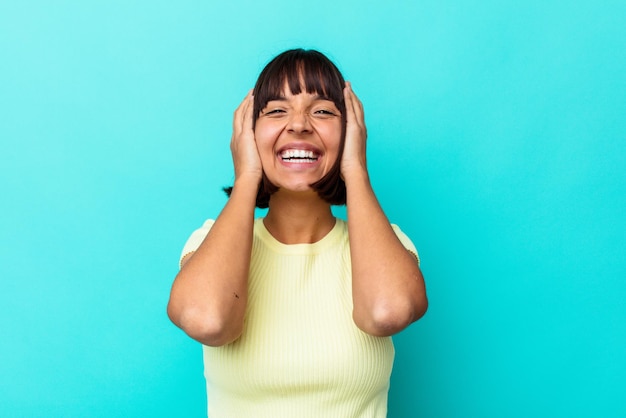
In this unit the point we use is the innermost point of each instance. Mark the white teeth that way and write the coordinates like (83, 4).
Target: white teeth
(298, 153)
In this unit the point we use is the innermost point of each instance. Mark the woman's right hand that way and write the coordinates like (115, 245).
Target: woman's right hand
(210, 293)
(243, 145)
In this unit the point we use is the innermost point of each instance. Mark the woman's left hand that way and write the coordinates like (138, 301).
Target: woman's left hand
(353, 160)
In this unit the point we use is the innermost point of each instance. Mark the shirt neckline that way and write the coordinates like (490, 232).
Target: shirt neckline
(305, 248)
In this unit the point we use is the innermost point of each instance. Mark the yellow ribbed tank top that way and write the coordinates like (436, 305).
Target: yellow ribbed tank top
(300, 353)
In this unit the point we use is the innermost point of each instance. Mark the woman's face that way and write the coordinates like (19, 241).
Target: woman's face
(298, 138)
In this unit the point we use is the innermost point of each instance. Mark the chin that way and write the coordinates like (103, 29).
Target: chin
(300, 190)
(295, 183)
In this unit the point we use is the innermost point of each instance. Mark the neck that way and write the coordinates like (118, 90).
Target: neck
(302, 220)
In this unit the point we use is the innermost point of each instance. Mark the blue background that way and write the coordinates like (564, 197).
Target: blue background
(496, 141)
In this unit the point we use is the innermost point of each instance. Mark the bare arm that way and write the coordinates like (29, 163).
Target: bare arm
(387, 285)
(209, 295)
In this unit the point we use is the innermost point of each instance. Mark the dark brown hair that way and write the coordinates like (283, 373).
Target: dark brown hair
(313, 72)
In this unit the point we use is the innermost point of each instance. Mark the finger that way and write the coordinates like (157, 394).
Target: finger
(357, 107)
(238, 117)
(248, 117)
(347, 97)
(353, 107)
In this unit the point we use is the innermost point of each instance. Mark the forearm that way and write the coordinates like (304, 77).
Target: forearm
(209, 294)
(387, 284)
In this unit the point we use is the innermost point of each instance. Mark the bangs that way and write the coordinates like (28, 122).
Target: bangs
(300, 70)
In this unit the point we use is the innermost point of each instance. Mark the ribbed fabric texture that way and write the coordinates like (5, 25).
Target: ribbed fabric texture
(300, 354)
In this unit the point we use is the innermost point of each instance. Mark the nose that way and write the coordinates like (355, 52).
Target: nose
(299, 123)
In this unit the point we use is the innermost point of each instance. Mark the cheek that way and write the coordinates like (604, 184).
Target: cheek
(265, 135)
(268, 129)
(332, 136)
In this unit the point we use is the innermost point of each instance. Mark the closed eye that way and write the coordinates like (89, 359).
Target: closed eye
(325, 113)
(274, 112)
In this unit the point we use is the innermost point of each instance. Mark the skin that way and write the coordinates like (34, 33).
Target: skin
(209, 295)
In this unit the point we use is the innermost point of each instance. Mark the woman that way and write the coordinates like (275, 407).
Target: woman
(295, 310)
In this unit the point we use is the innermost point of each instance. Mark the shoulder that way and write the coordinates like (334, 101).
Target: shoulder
(406, 241)
(195, 239)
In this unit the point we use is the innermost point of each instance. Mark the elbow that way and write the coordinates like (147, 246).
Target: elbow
(213, 333)
(204, 327)
(386, 320)
(420, 308)
(383, 321)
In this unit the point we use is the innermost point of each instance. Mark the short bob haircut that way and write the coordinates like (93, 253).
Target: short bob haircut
(313, 72)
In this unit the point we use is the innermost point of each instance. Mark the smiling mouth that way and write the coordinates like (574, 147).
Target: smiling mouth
(299, 156)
